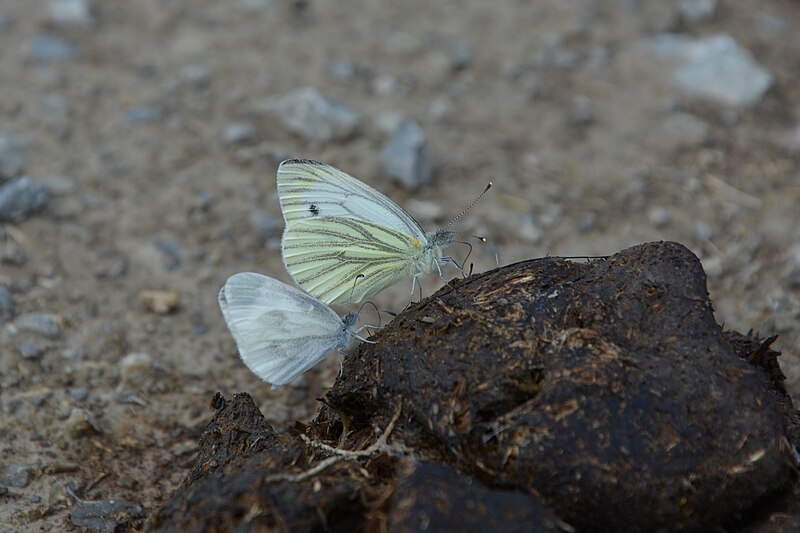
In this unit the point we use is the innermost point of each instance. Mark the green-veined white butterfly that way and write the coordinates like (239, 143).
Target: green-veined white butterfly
(338, 228)
(281, 331)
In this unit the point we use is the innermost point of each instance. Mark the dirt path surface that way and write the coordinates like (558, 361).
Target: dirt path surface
(150, 132)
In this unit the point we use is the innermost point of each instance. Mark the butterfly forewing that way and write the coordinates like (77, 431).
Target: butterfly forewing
(325, 256)
(280, 331)
(309, 189)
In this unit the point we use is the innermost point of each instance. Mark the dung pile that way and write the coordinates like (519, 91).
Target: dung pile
(545, 395)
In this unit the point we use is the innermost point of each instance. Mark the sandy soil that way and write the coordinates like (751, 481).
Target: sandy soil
(561, 104)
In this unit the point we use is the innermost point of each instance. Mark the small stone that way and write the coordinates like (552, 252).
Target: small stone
(581, 112)
(16, 475)
(137, 373)
(530, 232)
(406, 158)
(461, 54)
(29, 350)
(306, 112)
(145, 114)
(239, 133)
(59, 185)
(172, 251)
(659, 216)
(45, 324)
(46, 47)
(54, 104)
(196, 75)
(20, 198)
(79, 394)
(703, 230)
(341, 69)
(160, 302)
(255, 5)
(105, 515)
(6, 21)
(714, 68)
(695, 11)
(264, 225)
(71, 13)
(6, 304)
(678, 130)
(588, 222)
(389, 121)
(13, 150)
(81, 423)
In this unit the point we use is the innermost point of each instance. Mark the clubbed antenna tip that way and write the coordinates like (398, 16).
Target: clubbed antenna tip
(475, 201)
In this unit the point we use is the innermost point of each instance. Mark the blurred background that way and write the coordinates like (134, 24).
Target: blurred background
(138, 149)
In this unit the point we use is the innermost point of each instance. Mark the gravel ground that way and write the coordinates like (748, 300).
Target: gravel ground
(138, 148)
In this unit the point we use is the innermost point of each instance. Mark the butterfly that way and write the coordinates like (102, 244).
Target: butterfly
(281, 331)
(339, 228)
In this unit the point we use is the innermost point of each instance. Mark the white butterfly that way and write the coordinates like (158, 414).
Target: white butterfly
(338, 228)
(281, 331)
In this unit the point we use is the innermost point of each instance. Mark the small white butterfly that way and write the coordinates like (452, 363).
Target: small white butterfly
(280, 331)
(338, 229)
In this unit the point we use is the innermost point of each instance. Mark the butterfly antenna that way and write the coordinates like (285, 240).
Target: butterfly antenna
(350, 300)
(475, 201)
(377, 311)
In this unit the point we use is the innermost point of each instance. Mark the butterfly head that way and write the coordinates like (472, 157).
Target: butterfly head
(440, 239)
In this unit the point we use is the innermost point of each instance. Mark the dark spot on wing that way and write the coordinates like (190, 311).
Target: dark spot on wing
(314, 210)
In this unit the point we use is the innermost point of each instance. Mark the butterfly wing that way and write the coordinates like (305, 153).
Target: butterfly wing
(280, 331)
(309, 189)
(325, 256)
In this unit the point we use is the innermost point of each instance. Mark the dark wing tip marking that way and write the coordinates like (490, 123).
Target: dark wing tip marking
(314, 209)
(301, 162)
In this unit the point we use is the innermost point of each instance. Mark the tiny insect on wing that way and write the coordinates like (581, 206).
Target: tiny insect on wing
(280, 331)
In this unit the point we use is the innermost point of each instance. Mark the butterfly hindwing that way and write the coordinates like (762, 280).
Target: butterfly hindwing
(280, 331)
(325, 255)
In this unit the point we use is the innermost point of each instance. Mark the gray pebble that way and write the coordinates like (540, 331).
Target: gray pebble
(136, 370)
(29, 350)
(50, 48)
(581, 112)
(45, 324)
(79, 393)
(678, 130)
(715, 68)
(341, 69)
(6, 21)
(55, 104)
(196, 75)
(306, 112)
(80, 423)
(104, 515)
(703, 230)
(145, 114)
(406, 157)
(6, 304)
(659, 216)
(461, 55)
(59, 185)
(13, 149)
(588, 222)
(695, 11)
(16, 475)
(239, 133)
(71, 13)
(171, 250)
(255, 5)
